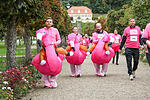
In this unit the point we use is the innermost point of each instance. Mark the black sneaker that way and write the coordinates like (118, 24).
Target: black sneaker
(46, 86)
(78, 75)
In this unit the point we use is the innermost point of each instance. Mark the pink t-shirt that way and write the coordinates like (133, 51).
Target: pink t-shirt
(117, 40)
(132, 37)
(85, 42)
(103, 37)
(49, 35)
(76, 38)
(146, 34)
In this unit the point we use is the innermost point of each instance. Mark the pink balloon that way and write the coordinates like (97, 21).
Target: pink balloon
(78, 56)
(53, 64)
(99, 56)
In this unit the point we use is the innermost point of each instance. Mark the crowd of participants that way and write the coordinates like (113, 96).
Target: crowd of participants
(103, 47)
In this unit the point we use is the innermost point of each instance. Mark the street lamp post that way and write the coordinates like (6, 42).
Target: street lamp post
(68, 5)
(79, 25)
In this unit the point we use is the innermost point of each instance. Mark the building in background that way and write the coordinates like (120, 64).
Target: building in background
(80, 13)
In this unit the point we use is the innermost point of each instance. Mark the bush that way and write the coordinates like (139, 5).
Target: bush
(15, 82)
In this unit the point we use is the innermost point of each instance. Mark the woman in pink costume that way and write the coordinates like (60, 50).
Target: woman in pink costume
(146, 40)
(53, 64)
(79, 55)
(115, 46)
(85, 41)
(100, 56)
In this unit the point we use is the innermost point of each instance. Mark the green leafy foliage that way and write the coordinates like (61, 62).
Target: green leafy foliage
(99, 6)
(141, 11)
(118, 19)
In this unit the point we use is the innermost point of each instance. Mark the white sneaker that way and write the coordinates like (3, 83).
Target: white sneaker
(42, 62)
(133, 74)
(53, 84)
(131, 77)
(107, 52)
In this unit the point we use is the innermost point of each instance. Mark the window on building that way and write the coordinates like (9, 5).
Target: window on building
(85, 11)
(78, 11)
(72, 11)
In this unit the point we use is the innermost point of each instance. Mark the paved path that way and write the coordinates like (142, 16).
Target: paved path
(115, 86)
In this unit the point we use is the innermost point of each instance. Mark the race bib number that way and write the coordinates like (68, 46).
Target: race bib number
(83, 41)
(112, 39)
(117, 38)
(117, 41)
(134, 31)
(133, 38)
(100, 36)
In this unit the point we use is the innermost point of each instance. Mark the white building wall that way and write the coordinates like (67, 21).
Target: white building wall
(84, 17)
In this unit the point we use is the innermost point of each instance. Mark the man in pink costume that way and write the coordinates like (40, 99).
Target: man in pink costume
(79, 55)
(52, 64)
(115, 46)
(101, 39)
(146, 40)
(132, 38)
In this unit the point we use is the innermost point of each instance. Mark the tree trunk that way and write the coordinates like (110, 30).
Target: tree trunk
(5, 39)
(11, 44)
(31, 39)
(79, 27)
(27, 42)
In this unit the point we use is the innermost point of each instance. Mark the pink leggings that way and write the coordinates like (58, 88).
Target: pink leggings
(47, 79)
(75, 70)
(104, 68)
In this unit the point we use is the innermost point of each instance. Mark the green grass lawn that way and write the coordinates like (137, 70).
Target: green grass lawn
(19, 60)
(2, 44)
(3, 62)
(19, 51)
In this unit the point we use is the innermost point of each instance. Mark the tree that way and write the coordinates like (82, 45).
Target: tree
(141, 12)
(11, 13)
(58, 13)
(27, 42)
(118, 19)
(30, 14)
(89, 28)
(99, 6)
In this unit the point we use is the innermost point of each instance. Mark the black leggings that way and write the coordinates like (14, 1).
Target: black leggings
(117, 57)
(148, 58)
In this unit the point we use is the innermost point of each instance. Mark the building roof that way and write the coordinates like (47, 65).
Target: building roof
(79, 10)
